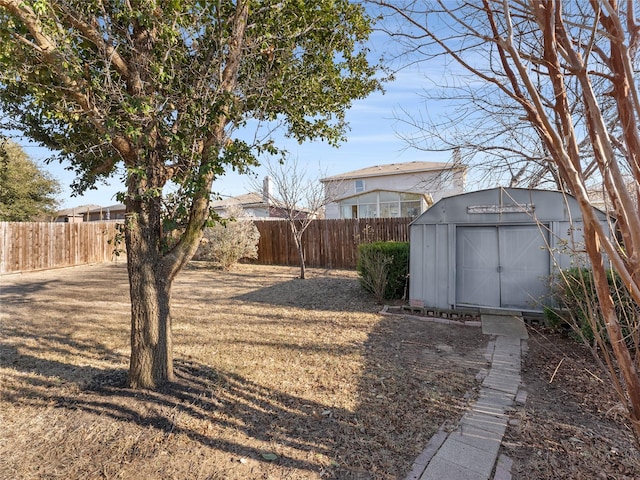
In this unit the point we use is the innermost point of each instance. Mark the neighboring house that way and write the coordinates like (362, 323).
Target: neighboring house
(393, 190)
(599, 199)
(91, 213)
(254, 204)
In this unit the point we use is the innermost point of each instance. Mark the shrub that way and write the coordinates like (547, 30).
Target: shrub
(376, 265)
(553, 318)
(575, 292)
(230, 240)
(383, 268)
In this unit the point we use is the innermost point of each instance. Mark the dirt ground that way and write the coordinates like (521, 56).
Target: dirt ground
(572, 425)
(277, 378)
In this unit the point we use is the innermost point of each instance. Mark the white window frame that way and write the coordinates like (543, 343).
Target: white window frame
(357, 204)
(359, 186)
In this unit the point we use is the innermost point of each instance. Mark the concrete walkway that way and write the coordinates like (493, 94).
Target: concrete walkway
(471, 451)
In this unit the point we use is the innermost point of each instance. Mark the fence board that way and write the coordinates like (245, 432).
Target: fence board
(36, 246)
(326, 243)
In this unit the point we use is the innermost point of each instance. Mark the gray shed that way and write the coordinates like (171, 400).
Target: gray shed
(492, 248)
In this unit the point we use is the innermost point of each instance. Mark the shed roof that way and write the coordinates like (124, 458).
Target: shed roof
(504, 205)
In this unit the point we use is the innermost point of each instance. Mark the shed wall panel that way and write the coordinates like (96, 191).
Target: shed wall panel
(524, 266)
(419, 264)
(429, 265)
(444, 266)
(477, 263)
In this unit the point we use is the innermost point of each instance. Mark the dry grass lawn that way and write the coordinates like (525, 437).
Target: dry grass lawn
(277, 378)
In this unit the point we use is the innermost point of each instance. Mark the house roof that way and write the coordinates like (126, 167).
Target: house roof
(426, 196)
(393, 169)
(251, 200)
(117, 206)
(82, 209)
(79, 210)
(247, 199)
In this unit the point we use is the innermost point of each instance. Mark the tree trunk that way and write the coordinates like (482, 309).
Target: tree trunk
(302, 266)
(152, 265)
(151, 362)
(626, 364)
(297, 237)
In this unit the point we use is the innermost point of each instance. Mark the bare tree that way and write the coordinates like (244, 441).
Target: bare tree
(489, 137)
(296, 196)
(480, 120)
(546, 57)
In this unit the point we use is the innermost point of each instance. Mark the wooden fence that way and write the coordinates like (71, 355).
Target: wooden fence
(37, 246)
(327, 243)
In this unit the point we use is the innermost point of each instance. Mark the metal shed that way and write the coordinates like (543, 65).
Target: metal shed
(493, 248)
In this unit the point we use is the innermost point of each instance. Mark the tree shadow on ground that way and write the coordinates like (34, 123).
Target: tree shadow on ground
(401, 403)
(412, 377)
(45, 343)
(19, 293)
(419, 377)
(342, 294)
(199, 404)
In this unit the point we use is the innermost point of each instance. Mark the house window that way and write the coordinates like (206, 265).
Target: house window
(389, 209)
(382, 204)
(367, 210)
(410, 209)
(348, 211)
(359, 186)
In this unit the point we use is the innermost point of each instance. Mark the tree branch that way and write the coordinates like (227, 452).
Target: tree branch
(54, 58)
(94, 36)
(199, 211)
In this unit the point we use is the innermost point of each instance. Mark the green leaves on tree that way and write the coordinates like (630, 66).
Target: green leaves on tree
(27, 193)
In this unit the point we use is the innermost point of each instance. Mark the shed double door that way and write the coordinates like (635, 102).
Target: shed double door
(501, 266)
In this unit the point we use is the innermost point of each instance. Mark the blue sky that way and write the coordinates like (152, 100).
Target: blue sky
(374, 138)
